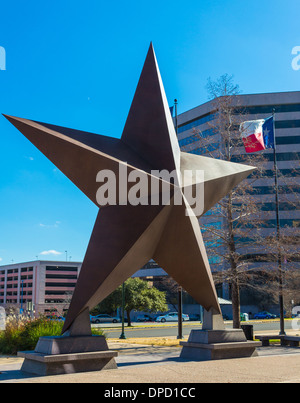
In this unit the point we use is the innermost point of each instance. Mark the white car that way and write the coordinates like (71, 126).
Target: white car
(102, 318)
(171, 317)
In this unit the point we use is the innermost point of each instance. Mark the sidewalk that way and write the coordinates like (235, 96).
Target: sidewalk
(140, 363)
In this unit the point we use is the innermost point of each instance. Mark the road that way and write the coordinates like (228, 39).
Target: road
(171, 329)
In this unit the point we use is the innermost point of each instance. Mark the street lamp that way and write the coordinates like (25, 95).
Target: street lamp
(122, 336)
(180, 335)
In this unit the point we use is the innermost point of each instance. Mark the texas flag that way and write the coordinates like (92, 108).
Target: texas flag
(258, 135)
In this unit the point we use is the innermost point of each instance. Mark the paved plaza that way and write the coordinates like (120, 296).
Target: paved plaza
(138, 363)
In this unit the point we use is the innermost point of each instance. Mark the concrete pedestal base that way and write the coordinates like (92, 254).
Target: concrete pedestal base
(204, 345)
(67, 355)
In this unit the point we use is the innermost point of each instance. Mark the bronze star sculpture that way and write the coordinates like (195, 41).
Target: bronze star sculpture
(126, 236)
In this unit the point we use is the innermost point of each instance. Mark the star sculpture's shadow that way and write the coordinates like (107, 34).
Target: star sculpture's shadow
(126, 236)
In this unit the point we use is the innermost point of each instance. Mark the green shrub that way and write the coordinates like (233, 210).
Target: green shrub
(23, 333)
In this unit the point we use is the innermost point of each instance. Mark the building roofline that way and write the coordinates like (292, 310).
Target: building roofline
(33, 262)
(247, 95)
(207, 109)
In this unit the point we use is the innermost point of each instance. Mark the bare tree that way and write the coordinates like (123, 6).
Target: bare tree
(232, 229)
(169, 286)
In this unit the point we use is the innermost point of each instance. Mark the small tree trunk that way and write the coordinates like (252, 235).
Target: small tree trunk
(235, 294)
(128, 318)
(235, 288)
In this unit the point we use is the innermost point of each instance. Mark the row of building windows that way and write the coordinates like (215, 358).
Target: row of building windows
(21, 294)
(30, 277)
(54, 301)
(202, 150)
(14, 301)
(271, 223)
(280, 140)
(287, 240)
(260, 258)
(196, 122)
(60, 285)
(30, 269)
(191, 139)
(61, 268)
(62, 277)
(287, 124)
(288, 156)
(287, 140)
(283, 206)
(264, 257)
(50, 292)
(25, 285)
(269, 173)
(263, 190)
(26, 269)
(13, 271)
(234, 143)
(255, 110)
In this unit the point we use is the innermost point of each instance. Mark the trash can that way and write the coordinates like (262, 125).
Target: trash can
(248, 330)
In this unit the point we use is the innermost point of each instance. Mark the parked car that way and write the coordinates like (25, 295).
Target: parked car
(171, 317)
(144, 318)
(103, 318)
(264, 315)
(57, 318)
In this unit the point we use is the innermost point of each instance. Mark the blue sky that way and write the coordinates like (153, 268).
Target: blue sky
(77, 64)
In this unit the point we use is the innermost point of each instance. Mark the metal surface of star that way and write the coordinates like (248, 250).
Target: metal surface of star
(126, 236)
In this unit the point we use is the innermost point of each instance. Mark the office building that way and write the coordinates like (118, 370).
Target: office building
(40, 286)
(202, 122)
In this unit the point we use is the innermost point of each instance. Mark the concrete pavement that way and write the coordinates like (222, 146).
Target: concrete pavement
(157, 364)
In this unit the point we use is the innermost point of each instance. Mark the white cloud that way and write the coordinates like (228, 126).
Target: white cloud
(50, 252)
(1, 259)
(56, 225)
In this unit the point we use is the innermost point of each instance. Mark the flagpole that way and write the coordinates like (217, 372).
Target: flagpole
(281, 307)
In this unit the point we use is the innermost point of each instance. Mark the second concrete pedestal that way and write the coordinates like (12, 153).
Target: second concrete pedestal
(213, 342)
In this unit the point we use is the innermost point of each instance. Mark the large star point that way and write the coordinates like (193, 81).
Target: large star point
(126, 236)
